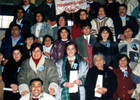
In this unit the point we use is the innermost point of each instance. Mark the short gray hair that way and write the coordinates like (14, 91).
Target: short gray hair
(98, 54)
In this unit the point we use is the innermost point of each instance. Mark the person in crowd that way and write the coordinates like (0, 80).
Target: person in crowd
(122, 20)
(29, 40)
(58, 47)
(41, 28)
(9, 75)
(47, 45)
(28, 8)
(36, 84)
(92, 8)
(130, 46)
(61, 22)
(37, 66)
(131, 5)
(48, 9)
(107, 47)
(136, 11)
(15, 39)
(112, 8)
(101, 82)
(86, 42)
(2, 85)
(123, 73)
(102, 20)
(25, 25)
(76, 29)
(65, 66)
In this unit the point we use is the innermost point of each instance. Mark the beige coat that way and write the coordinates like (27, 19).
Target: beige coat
(29, 71)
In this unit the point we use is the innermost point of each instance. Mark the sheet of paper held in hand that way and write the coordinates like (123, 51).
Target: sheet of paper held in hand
(73, 77)
(99, 83)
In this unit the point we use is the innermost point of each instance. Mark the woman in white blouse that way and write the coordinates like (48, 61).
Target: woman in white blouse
(41, 28)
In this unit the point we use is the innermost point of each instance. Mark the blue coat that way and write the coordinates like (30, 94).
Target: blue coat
(7, 45)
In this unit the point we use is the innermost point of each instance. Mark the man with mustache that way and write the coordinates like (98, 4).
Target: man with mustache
(122, 20)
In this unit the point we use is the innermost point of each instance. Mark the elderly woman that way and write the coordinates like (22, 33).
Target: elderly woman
(100, 21)
(61, 22)
(101, 82)
(58, 47)
(123, 72)
(65, 66)
(41, 28)
(38, 67)
(106, 46)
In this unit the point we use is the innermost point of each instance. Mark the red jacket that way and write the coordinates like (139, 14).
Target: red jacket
(124, 84)
(76, 31)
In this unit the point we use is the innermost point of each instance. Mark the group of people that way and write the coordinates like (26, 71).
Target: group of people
(95, 59)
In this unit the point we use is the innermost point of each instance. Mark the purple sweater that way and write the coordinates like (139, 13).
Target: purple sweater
(58, 48)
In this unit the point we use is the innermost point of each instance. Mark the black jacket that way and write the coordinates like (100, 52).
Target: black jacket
(109, 82)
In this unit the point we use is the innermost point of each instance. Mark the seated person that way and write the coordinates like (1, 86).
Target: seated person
(36, 84)
(25, 25)
(130, 46)
(47, 45)
(15, 39)
(101, 82)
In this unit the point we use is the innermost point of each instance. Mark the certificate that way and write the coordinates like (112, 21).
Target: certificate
(99, 84)
(73, 77)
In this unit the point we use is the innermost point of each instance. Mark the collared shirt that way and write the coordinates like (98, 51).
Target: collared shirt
(14, 42)
(19, 22)
(64, 40)
(49, 5)
(123, 20)
(88, 38)
(38, 96)
(122, 69)
(128, 42)
(25, 8)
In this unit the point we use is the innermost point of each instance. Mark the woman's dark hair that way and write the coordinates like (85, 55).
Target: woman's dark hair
(125, 28)
(120, 56)
(29, 35)
(2, 52)
(36, 79)
(113, 1)
(41, 15)
(16, 48)
(35, 45)
(108, 30)
(46, 36)
(82, 10)
(71, 43)
(103, 8)
(60, 30)
(59, 18)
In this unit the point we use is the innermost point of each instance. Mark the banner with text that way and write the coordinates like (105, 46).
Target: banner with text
(69, 6)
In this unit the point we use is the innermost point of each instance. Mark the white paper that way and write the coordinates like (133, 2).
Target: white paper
(73, 76)
(99, 84)
(8, 89)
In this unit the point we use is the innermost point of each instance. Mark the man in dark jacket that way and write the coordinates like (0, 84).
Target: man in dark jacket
(25, 25)
(122, 20)
(15, 39)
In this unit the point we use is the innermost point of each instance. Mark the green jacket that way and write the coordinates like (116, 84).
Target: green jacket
(82, 44)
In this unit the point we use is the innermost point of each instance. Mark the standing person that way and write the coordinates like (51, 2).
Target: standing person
(36, 84)
(47, 45)
(76, 29)
(61, 22)
(41, 28)
(107, 47)
(123, 73)
(85, 43)
(122, 20)
(130, 46)
(15, 39)
(38, 67)
(71, 62)
(11, 70)
(100, 21)
(58, 47)
(24, 24)
(2, 85)
(100, 88)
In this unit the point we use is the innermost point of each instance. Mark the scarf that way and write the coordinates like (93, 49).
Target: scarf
(36, 60)
(104, 42)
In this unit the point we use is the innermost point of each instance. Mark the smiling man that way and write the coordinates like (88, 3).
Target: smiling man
(36, 91)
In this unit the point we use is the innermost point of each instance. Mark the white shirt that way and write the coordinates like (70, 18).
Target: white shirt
(64, 40)
(38, 28)
(128, 42)
(122, 69)
(25, 8)
(88, 38)
(47, 49)
(19, 22)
